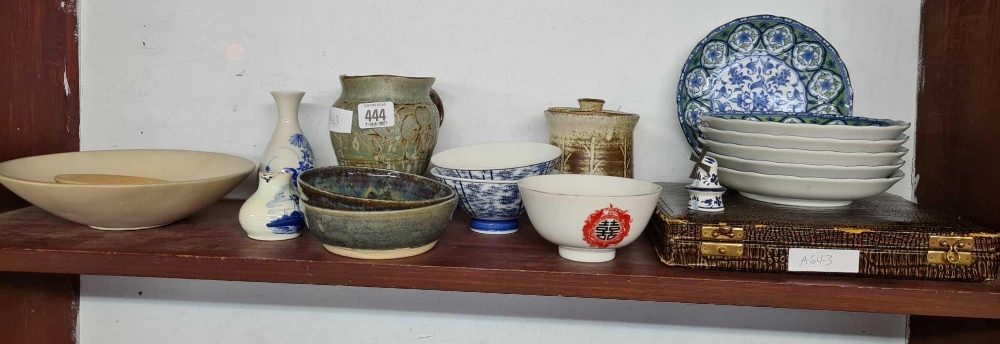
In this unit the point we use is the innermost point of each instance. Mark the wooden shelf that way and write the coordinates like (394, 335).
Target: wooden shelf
(211, 245)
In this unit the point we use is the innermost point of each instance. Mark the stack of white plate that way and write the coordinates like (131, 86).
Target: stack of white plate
(805, 160)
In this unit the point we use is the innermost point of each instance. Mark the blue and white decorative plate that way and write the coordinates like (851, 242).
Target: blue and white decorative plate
(762, 63)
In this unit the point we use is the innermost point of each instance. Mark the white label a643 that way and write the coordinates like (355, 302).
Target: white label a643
(376, 115)
(824, 260)
(340, 120)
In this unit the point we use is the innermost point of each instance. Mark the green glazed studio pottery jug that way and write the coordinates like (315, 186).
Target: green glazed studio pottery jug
(386, 121)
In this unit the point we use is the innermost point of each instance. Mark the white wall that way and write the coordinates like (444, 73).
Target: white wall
(195, 74)
(155, 311)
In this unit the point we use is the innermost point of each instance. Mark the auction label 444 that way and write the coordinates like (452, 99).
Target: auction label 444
(376, 115)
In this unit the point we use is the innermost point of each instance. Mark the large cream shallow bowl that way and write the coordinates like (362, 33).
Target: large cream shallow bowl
(804, 192)
(193, 180)
(588, 216)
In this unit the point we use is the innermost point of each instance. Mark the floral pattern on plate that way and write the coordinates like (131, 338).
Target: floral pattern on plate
(694, 112)
(825, 85)
(825, 109)
(762, 63)
(714, 55)
(778, 39)
(744, 38)
(758, 83)
(697, 83)
(807, 56)
(806, 119)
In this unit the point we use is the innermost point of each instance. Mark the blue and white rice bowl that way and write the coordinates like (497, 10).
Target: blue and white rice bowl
(494, 205)
(498, 161)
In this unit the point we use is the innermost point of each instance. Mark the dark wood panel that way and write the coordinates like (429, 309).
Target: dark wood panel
(211, 245)
(958, 129)
(38, 308)
(958, 135)
(39, 114)
(39, 93)
(940, 330)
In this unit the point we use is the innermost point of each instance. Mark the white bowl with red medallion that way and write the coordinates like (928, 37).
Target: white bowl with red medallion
(588, 216)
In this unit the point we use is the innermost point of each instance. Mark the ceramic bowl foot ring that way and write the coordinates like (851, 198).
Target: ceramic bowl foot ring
(494, 226)
(273, 237)
(592, 255)
(128, 229)
(379, 254)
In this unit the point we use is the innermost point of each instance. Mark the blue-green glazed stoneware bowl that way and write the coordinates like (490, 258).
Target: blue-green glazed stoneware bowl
(369, 189)
(380, 234)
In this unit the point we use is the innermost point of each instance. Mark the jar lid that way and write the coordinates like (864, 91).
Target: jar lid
(590, 106)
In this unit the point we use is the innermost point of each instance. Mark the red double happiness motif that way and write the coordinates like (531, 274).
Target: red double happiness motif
(606, 227)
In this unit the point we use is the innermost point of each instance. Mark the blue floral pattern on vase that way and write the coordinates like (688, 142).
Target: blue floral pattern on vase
(744, 38)
(778, 39)
(745, 62)
(758, 83)
(306, 161)
(507, 174)
(304, 153)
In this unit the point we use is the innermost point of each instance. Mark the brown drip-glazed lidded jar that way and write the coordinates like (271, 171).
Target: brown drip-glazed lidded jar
(593, 140)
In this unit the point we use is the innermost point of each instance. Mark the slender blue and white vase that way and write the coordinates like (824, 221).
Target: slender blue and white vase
(288, 147)
(272, 213)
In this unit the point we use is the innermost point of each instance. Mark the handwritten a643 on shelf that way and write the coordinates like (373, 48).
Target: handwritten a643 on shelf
(376, 115)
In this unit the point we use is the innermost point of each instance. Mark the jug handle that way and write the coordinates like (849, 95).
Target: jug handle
(437, 102)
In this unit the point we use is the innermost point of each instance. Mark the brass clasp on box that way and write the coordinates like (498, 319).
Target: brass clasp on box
(949, 258)
(953, 250)
(721, 250)
(946, 243)
(722, 232)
